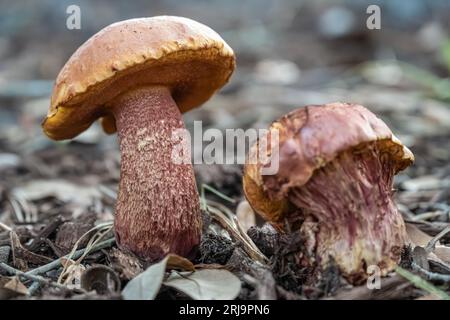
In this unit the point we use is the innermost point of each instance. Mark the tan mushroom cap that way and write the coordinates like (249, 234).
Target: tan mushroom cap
(184, 55)
(309, 138)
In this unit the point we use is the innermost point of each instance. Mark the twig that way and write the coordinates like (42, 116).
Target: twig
(16, 210)
(422, 283)
(432, 276)
(28, 209)
(33, 288)
(236, 234)
(233, 220)
(102, 230)
(38, 279)
(430, 246)
(19, 251)
(5, 227)
(217, 193)
(428, 215)
(58, 262)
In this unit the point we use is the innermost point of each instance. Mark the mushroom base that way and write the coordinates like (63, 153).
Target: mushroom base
(347, 214)
(157, 210)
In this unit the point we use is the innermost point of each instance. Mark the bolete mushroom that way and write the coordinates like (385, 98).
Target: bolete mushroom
(334, 185)
(139, 75)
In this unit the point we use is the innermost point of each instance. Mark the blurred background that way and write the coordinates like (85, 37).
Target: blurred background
(289, 54)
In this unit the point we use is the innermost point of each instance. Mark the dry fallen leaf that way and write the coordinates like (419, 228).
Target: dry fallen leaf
(16, 286)
(420, 239)
(417, 236)
(443, 252)
(176, 262)
(146, 285)
(245, 215)
(206, 284)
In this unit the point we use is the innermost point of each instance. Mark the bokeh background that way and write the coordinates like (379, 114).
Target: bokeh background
(289, 54)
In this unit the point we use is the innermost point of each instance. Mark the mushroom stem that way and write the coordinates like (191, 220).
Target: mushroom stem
(348, 212)
(157, 210)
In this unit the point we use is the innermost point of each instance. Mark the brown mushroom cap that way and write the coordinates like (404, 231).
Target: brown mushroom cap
(309, 138)
(186, 56)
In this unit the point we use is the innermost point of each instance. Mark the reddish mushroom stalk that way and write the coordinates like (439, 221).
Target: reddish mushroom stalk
(157, 208)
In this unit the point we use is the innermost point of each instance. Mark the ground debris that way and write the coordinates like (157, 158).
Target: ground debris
(125, 264)
(69, 232)
(215, 248)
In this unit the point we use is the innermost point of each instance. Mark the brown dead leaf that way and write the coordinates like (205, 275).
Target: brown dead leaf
(70, 232)
(443, 252)
(417, 236)
(21, 253)
(176, 262)
(16, 286)
(420, 239)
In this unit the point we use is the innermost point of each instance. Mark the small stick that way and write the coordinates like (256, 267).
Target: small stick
(428, 215)
(234, 232)
(39, 279)
(16, 209)
(33, 288)
(233, 220)
(430, 246)
(218, 193)
(57, 263)
(5, 227)
(432, 276)
(244, 234)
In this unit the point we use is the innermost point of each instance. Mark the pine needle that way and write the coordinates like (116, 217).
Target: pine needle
(422, 283)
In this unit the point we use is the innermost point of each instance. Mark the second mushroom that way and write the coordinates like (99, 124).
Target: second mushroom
(334, 185)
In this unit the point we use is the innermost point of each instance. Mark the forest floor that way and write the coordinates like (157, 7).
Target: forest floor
(52, 194)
